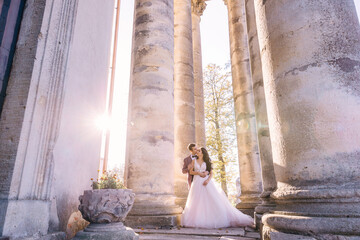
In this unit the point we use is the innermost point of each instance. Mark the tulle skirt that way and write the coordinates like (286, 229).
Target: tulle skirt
(208, 207)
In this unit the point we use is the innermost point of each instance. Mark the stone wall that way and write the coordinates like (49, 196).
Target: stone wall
(77, 151)
(50, 146)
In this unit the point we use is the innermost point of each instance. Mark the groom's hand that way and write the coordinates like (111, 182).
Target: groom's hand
(203, 174)
(206, 173)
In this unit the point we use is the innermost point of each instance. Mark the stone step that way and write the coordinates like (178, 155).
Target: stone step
(197, 233)
(187, 237)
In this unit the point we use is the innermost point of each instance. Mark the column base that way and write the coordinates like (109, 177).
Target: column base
(109, 231)
(248, 204)
(246, 208)
(151, 211)
(270, 234)
(22, 218)
(266, 206)
(315, 212)
(314, 226)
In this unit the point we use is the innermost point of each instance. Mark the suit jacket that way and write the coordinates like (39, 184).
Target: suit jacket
(187, 161)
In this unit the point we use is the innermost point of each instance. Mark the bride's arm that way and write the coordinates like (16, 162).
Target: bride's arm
(209, 178)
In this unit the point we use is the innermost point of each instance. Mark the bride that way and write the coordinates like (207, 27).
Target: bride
(207, 205)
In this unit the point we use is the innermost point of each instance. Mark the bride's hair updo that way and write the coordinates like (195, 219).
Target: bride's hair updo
(206, 159)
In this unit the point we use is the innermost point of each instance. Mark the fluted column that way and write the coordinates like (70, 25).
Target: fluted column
(249, 162)
(310, 51)
(150, 140)
(183, 94)
(198, 7)
(262, 126)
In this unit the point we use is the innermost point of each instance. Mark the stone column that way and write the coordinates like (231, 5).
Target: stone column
(310, 51)
(198, 7)
(262, 126)
(150, 141)
(249, 162)
(183, 94)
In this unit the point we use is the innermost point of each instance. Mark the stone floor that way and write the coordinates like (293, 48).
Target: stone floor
(197, 233)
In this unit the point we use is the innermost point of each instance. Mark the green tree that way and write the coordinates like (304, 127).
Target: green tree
(220, 123)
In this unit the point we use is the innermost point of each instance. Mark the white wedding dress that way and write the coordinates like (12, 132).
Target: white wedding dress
(208, 207)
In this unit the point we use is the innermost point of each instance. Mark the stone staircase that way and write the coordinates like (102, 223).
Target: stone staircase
(198, 233)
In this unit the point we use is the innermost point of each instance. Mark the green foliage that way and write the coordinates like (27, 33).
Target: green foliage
(220, 125)
(108, 180)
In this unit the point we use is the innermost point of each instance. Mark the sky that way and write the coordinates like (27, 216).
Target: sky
(215, 34)
(215, 49)
(122, 79)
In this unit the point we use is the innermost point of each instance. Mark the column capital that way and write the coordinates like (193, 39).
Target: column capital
(198, 6)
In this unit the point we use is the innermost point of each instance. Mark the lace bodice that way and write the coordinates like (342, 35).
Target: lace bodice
(199, 168)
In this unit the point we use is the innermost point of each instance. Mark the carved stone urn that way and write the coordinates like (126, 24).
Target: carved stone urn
(106, 210)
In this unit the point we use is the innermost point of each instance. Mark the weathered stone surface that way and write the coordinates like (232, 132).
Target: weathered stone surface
(187, 237)
(13, 112)
(310, 120)
(107, 231)
(150, 140)
(9, 29)
(249, 162)
(286, 236)
(252, 234)
(262, 125)
(153, 221)
(197, 233)
(338, 237)
(106, 205)
(78, 146)
(126, 235)
(51, 236)
(309, 53)
(28, 208)
(317, 225)
(173, 237)
(184, 105)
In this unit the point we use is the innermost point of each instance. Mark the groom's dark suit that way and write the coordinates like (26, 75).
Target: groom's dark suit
(185, 169)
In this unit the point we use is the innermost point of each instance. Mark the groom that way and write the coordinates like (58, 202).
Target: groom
(188, 160)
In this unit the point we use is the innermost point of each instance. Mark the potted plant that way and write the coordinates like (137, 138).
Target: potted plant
(106, 207)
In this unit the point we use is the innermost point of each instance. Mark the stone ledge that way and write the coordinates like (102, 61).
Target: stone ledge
(187, 237)
(196, 231)
(315, 225)
(156, 221)
(50, 236)
(285, 236)
(126, 234)
(174, 237)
